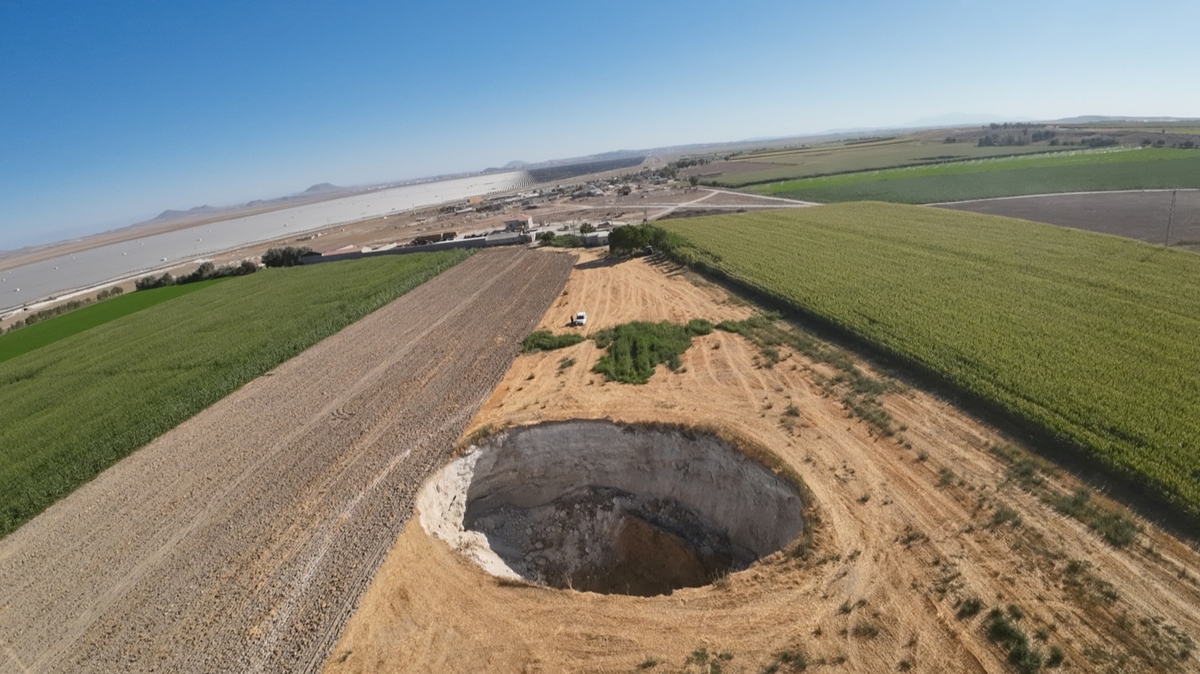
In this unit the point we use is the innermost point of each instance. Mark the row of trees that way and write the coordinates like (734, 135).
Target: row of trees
(1185, 145)
(43, 314)
(1024, 126)
(1007, 140)
(206, 271)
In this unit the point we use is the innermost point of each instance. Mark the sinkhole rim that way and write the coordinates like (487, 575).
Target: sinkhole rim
(601, 503)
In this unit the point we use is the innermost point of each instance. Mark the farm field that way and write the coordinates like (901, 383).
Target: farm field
(1135, 215)
(1090, 337)
(1183, 127)
(241, 540)
(907, 533)
(764, 167)
(1073, 171)
(75, 407)
(49, 331)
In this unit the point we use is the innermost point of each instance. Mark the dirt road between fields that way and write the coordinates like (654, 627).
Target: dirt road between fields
(911, 529)
(242, 540)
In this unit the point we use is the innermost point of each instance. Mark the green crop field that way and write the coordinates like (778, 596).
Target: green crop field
(842, 158)
(1091, 337)
(72, 408)
(51, 330)
(1073, 171)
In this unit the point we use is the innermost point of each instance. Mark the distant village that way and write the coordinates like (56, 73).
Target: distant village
(523, 225)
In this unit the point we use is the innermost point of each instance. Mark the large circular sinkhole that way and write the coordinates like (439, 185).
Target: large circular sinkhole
(608, 508)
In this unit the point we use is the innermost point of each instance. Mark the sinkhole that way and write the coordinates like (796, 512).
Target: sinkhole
(611, 508)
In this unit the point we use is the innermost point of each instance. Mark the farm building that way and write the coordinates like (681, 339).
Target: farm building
(521, 223)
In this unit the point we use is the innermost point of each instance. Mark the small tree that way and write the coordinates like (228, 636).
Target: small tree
(631, 239)
(203, 272)
(151, 282)
(287, 256)
(587, 228)
(546, 238)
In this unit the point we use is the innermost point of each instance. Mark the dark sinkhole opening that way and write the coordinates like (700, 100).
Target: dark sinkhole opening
(626, 509)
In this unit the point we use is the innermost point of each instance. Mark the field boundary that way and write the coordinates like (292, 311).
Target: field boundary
(1065, 194)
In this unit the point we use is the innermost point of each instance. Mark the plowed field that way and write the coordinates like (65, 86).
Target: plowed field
(242, 540)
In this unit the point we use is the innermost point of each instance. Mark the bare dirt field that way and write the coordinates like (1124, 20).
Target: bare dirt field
(242, 540)
(910, 529)
(1135, 215)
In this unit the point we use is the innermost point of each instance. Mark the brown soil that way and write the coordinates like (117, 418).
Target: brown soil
(1135, 215)
(650, 558)
(242, 540)
(906, 533)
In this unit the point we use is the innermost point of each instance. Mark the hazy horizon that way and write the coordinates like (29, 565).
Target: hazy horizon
(117, 112)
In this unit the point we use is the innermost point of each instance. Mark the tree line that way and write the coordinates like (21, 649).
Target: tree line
(205, 272)
(43, 314)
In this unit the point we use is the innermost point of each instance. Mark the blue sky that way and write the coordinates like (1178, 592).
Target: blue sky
(112, 112)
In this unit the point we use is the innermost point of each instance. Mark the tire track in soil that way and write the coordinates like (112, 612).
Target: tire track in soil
(242, 540)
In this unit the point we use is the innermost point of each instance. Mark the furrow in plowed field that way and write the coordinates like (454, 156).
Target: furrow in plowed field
(242, 540)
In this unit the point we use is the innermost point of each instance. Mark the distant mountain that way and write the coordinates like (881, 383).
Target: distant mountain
(170, 214)
(321, 188)
(963, 119)
(570, 161)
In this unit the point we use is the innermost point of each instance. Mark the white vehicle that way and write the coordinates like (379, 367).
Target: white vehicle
(580, 319)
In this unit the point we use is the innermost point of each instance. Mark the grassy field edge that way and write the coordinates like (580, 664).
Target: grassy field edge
(51, 330)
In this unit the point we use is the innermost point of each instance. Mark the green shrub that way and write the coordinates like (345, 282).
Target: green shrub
(544, 340)
(969, 607)
(1002, 630)
(636, 349)
(286, 256)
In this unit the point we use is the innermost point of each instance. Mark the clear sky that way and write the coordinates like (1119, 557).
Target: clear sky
(111, 112)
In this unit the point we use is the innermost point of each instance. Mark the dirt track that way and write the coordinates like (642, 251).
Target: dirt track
(900, 545)
(242, 540)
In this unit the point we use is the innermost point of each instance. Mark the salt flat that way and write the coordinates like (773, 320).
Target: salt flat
(38, 280)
